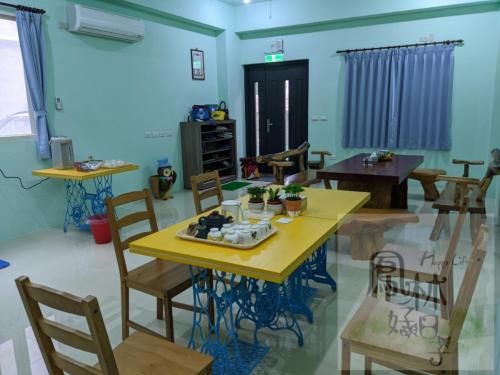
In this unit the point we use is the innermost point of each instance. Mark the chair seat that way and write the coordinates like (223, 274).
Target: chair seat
(383, 325)
(159, 278)
(413, 262)
(447, 201)
(146, 354)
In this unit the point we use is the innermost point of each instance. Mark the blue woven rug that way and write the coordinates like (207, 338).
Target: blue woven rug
(4, 264)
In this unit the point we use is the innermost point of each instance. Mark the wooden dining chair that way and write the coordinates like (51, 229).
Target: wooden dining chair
(213, 189)
(420, 268)
(408, 340)
(138, 354)
(159, 278)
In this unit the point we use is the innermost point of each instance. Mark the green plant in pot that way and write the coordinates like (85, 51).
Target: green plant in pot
(293, 201)
(274, 203)
(256, 201)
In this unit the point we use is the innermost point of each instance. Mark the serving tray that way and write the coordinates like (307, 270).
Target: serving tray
(182, 234)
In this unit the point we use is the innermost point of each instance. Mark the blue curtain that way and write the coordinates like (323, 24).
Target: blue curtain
(399, 98)
(32, 41)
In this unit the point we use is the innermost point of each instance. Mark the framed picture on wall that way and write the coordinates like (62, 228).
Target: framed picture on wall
(198, 64)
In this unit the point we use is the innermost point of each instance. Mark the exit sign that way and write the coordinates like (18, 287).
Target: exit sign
(275, 57)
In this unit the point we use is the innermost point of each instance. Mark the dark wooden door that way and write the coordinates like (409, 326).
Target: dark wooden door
(276, 106)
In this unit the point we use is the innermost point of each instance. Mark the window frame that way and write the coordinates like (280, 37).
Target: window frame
(11, 17)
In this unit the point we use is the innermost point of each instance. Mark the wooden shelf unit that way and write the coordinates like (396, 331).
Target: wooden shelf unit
(204, 150)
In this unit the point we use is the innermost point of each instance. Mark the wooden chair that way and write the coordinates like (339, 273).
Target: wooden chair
(379, 330)
(138, 354)
(449, 199)
(212, 181)
(421, 268)
(280, 161)
(159, 278)
(318, 164)
(366, 229)
(305, 178)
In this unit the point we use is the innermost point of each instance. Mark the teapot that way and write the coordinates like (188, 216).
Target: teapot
(214, 220)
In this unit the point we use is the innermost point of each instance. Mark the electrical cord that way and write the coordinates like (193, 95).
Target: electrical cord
(21, 181)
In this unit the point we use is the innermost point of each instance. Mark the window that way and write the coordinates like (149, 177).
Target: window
(15, 116)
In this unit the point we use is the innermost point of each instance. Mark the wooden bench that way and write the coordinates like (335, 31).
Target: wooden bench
(427, 177)
(367, 227)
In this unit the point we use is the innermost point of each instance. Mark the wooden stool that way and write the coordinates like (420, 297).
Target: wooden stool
(427, 178)
(366, 229)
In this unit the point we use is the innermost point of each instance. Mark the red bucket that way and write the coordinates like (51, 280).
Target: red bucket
(100, 229)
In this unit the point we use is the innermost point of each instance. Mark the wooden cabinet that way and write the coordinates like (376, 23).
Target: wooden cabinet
(209, 146)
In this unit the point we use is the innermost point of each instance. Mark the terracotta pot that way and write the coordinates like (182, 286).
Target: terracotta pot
(256, 206)
(293, 207)
(275, 206)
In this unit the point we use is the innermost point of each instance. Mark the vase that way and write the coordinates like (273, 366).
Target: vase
(293, 207)
(254, 206)
(275, 207)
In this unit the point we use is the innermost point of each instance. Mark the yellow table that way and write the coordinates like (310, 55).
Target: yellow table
(265, 283)
(328, 204)
(73, 174)
(77, 196)
(269, 261)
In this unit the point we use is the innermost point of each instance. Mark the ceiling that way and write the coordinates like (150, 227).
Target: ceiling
(240, 2)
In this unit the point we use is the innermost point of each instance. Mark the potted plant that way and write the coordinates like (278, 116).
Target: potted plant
(293, 201)
(256, 202)
(274, 203)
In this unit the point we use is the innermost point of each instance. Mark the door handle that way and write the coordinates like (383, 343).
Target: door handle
(268, 125)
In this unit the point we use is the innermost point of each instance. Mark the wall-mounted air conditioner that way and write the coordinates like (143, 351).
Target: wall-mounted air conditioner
(96, 22)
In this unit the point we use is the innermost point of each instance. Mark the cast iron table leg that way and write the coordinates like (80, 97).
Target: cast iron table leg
(76, 205)
(231, 355)
(271, 305)
(316, 268)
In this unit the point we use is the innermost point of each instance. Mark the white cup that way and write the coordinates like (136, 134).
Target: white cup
(245, 237)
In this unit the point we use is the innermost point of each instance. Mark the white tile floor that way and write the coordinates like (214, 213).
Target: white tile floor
(72, 262)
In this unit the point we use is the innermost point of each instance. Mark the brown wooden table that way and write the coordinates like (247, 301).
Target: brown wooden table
(387, 181)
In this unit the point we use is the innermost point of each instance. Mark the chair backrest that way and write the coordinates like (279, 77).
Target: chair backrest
(117, 224)
(45, 330)
(210, 178)
(457, 231)
(469, 283)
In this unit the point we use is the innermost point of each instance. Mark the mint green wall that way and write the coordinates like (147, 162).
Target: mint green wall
(475, 69)
(112, 93)
(293, 12)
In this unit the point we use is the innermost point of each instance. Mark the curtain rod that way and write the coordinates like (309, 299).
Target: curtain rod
(458, 41)
(22, 7)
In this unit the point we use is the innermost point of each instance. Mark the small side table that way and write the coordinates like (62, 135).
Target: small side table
(77, 197)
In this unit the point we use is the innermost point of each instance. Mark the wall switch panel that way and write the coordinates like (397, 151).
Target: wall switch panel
(59, 105)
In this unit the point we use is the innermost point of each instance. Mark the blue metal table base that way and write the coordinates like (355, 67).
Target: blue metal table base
(269, 305)
(315, 268)
(77, 209)
(231, 356)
